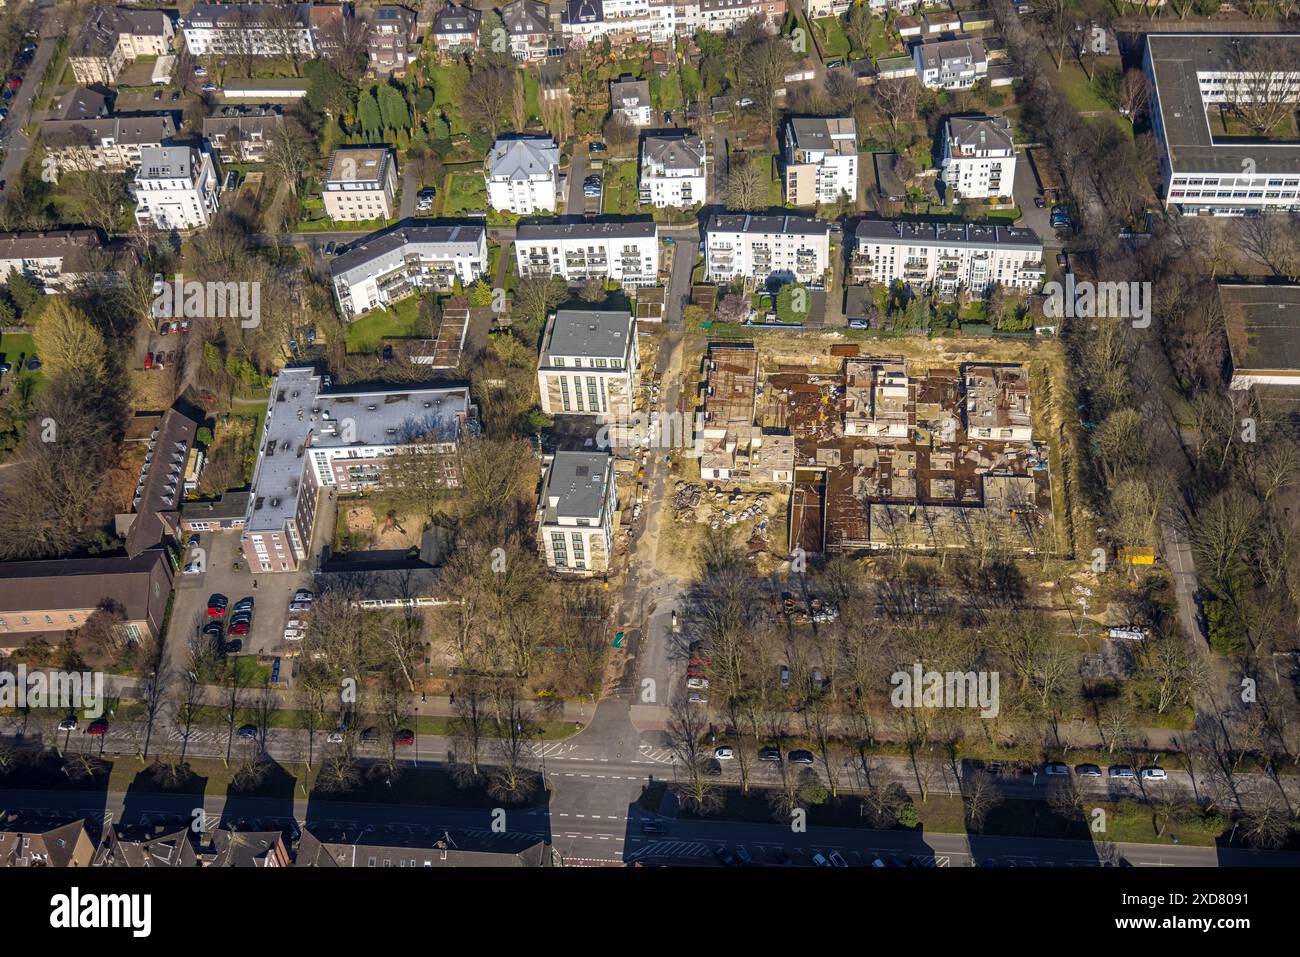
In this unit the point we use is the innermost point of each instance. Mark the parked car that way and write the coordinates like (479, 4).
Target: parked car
(744, 101)
(837, 860)
(1120, 771)
(209, 88)
(785, 677)
(859, 324)
(217, 606)
(596, 148)
(247, 731)
(299, 606)
(697, 697)
(713, 768)
(820, 860)
(1088, 771)
(697, 684)
(192, 541)
(334, 737)
(801, 757)
(193, 568)
(239, 628)
(404, 736)
(370, 734)
(68, 724)
(200, 71)
(725, 857)
(99, 727)
(724, 753)
(1055, 769)
(769, 754)
(1040, 202)
(244, 604)
(294, 634)
(1154, 774)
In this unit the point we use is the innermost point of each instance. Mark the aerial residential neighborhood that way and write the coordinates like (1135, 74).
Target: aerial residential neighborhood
(693, 434)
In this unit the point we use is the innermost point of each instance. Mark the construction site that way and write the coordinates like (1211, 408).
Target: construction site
(886, 452)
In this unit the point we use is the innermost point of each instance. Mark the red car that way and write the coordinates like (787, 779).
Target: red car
(404, 737)
(97, 727)
(15, 82)
(701, 662)
(239, 628)
(148, 360)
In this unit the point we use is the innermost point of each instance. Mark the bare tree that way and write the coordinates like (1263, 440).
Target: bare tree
(1263, 87)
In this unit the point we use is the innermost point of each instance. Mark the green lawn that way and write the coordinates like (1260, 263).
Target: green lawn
(13, 348)
(834, 42)
(621, 189)
(1083, 94)
(464, 193)
(398, 320)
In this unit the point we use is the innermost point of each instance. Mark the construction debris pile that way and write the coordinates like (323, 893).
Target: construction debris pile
(693, 502)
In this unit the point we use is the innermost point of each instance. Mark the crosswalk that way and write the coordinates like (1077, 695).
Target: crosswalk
(652, 755)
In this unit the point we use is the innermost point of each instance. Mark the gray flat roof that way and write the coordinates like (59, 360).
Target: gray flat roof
(837, 134)
(745, 223)
(576, 485)
(301, 418)
(387, 247)
(1175, 62)
(1263, 326)
(635, 229)
(589, 332)
(946, 234)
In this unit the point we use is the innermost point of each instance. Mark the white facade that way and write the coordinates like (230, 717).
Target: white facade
(950, 64)
(759, 248)
(979, 158)
(249, 29)
(522, 174)
(1201, 172)
(577, 512)
(673, 171)
(589, 364)
(946, 258)
(625, 252)
(175, 188)
(390, 265)
(821, 160)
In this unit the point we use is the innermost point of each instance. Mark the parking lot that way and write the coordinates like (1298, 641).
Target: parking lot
(218, 554)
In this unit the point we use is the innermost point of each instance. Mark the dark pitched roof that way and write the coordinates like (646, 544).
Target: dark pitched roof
(454, 18)
(141, 584)
(158, 497)
(327, 847)
(137, 846)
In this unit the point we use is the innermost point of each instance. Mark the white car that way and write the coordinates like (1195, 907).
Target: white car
(68, 724)
(723, 754)
(294, 624)
(193, 568)
(697, 684)
(303, 595)
(300, 606)
(293, 634)
(1153, 774)
(200, 71)
(334, 737)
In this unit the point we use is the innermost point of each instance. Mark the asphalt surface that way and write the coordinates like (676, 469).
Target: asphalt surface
(17, 143)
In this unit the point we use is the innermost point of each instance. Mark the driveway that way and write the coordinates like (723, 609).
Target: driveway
(1025, 189)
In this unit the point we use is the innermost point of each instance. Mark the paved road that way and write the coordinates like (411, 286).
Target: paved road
(573, 204)
(17, 144)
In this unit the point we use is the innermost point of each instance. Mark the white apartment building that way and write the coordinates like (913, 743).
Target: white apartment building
(622, 21)
(763, 248)
(723, 16)
(627, 252)
(950, 64)
(313, 440)
(115, 36)
(673, 170)
(54, 259)
(821, 160)
(360, 184)
(948, 257)
(577, 512)
(176, 187)
(249, 29)
(390, 265)
(979, 158)
(1202, 172)
(589, 363)
(630, 99)
(523, 174)
(107, 143)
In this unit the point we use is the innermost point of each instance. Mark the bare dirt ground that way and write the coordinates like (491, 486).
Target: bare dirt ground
(366, 530)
